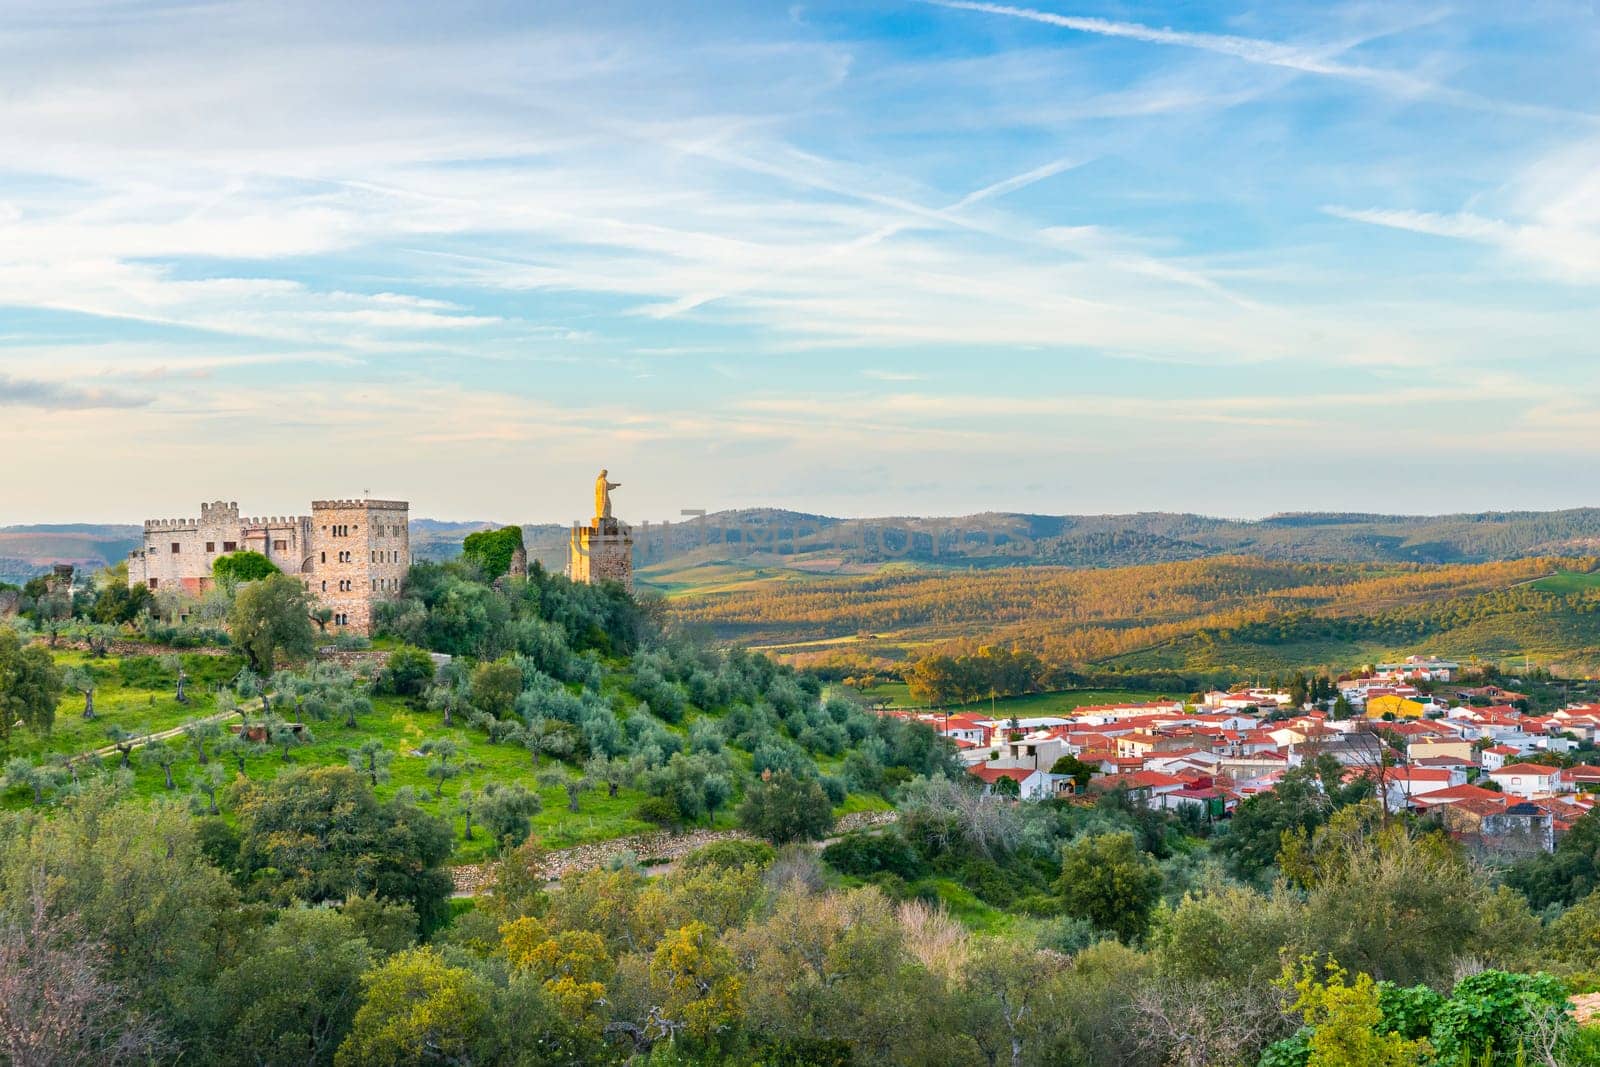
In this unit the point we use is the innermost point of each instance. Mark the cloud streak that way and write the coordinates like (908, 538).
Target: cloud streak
(56, 396)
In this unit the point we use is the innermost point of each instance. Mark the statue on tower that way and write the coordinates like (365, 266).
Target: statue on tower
(602, 497)
(602, 551)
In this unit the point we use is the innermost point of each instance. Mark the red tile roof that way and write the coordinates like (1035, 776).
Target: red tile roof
(1526, 768)
(994, 774)
(1457, 793)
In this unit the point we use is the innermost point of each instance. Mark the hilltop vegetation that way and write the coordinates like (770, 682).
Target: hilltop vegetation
(1225, 615)
(575, 695)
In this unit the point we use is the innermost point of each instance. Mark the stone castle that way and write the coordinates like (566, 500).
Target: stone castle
(351, 554)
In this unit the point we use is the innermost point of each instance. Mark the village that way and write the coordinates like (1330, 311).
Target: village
(1494, 775)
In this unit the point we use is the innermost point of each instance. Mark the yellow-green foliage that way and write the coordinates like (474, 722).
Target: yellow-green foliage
(1345, 1015)
(418, 1009)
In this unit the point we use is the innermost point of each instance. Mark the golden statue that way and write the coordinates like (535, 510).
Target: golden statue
(602, 496)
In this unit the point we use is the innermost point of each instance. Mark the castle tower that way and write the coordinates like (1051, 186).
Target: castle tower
(360, 551)
(603, 550)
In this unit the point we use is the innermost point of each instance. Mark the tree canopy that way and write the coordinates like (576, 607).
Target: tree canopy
(245, 566)
(491, 550)
(269, 617)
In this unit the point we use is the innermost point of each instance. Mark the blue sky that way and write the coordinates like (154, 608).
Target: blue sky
(858, 258)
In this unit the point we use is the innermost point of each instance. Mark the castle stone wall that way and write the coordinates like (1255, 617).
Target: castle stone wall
(350, 553)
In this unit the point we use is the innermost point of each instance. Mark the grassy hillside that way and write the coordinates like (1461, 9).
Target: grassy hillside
(1234, 613)
(582, 675)
(134, 695)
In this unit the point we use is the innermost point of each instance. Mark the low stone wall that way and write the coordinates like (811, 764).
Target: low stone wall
(353, 659)
(657, 850)
(122, 647)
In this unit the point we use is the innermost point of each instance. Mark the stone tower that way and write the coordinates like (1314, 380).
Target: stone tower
(602, 551)
(361, 550)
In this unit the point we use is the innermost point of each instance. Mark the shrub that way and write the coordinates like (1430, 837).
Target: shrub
(864, 855)
(659, 810)
(243, 567)
(786, 808)
(730, 855)
(407, 672)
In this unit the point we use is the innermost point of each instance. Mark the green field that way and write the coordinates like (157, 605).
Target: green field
(1567, 582)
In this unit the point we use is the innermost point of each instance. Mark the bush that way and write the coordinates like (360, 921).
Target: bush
(406, 673)
(1489, 1013)
(1107, 880)
(491, 550)
(730, 855)
(244, 566)
(864, 855)
(1292, 1051)
(785, 808)
(659, 810)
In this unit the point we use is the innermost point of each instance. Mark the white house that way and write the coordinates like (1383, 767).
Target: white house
(1498, 756)
(1528, 780)
(1031, 784)
(1403, 783)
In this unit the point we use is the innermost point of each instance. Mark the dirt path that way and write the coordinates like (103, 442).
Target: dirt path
(659, 852)
(144, 739)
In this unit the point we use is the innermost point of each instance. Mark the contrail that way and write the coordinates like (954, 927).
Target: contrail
(1266, 53)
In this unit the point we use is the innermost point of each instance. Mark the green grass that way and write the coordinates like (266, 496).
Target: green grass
(1565, 582)
(854, 802)
(897, 693)
(965, 907)
(149, 707)
(134, 708)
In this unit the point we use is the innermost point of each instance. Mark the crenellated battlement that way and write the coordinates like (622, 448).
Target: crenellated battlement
(273, 520)
(171, 525)
(374, 505)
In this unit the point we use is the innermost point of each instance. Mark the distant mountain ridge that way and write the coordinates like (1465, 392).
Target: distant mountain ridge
(985, 539)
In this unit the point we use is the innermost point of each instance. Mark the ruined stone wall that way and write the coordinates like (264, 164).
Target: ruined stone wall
(360, 552)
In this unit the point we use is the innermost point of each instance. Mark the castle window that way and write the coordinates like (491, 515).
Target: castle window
(324, 587)
(152, 583)
(175, 546)
(211, 546)
(230, 546)
(280, 546)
